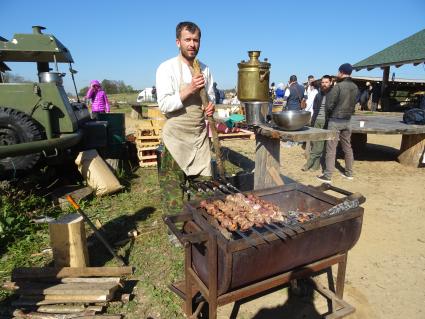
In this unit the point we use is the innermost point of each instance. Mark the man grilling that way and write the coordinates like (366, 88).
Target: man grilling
(187, 147)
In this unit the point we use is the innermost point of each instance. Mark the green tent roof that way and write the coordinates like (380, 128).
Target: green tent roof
(409, 50)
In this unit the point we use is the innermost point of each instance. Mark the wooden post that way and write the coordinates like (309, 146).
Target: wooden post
(412, 149)
(384, 89)
(68, 241)
(267, 155)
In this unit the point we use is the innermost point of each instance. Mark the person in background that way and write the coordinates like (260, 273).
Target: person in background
(364, 97)
(280, 91)
(154, 95)
(340, 106)
(272, 93)
(318, 120)
(376, 95)
(216, 93)
(98, 98)
(310, 92)
(186, 154)
(294, 95)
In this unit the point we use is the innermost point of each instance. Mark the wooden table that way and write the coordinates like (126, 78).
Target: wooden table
(413, 136)
(267, 151)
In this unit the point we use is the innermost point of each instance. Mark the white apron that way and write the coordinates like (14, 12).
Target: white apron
(185, 136)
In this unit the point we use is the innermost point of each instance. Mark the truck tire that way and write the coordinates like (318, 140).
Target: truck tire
(17, 127)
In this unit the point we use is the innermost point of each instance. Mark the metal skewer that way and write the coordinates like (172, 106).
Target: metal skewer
(260, 234)
(248, 239)
(277, 232)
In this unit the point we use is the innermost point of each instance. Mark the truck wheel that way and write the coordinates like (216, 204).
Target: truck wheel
(17, 127)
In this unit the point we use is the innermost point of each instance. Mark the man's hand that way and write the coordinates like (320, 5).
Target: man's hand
(198, 82)
(209, 110)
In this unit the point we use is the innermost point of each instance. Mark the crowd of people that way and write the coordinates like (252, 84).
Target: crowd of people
(331, 102)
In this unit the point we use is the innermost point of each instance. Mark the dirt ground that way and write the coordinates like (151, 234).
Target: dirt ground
(386, 268)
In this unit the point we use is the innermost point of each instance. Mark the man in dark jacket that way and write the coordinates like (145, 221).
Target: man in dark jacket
(294, 94)
(318, 120)
(339, 108)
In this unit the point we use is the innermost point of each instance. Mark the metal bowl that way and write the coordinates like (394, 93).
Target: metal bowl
(291, 120)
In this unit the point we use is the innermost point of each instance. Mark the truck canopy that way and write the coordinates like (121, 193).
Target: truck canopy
(35, 47)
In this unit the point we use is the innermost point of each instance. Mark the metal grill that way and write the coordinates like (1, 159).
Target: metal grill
(225, 266)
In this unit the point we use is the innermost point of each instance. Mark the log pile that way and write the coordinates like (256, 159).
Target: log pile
(67, 292)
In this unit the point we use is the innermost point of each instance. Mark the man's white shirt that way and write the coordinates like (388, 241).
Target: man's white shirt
(311, 94)
(168, 83)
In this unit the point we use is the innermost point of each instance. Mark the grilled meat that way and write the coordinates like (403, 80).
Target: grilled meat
(242, 212)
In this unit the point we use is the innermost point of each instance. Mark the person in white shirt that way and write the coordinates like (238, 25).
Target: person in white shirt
(187, 146)
(311, 93)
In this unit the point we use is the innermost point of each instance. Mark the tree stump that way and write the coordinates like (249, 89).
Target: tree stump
(68, 241)
(412, 149)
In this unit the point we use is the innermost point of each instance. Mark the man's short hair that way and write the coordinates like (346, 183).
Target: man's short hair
(326, 76)
(310, 77)
(189, 26)
(293, 78)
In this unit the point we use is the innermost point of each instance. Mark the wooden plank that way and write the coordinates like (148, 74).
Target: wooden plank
(35, 288)
(275, 176)
(304, 135)
(51, 272)
(240, 134)
(10, 285)
(148, 148)
(68, 241)
(39, 300)
(40, 315)
(83, 315)
(145, 157)
(68, 308)
(96, 280)
(147, 164)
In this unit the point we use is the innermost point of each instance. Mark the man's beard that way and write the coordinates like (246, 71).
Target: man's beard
(187, 56)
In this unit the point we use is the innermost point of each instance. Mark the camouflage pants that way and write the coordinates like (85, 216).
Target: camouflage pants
(171, 177)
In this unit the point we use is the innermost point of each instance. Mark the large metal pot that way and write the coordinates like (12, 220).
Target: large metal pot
(291, 120)
(253, 79)
(51, 77)
(256, 112)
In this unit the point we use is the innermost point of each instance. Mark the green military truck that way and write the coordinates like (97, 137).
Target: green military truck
(37, 120)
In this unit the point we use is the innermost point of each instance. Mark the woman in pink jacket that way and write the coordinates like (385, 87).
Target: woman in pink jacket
(98, 98)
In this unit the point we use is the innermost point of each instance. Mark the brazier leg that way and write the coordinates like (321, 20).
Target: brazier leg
(340, 279)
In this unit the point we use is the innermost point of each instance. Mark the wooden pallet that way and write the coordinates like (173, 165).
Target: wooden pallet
(152, 125)
(147, 156)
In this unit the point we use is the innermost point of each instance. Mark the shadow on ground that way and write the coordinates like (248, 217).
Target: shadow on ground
(372, 153)
(114, 231)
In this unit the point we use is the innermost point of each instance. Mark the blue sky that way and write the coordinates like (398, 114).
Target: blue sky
(127, 40)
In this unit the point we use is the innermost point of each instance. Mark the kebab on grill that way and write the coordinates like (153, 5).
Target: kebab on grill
(243, 212)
